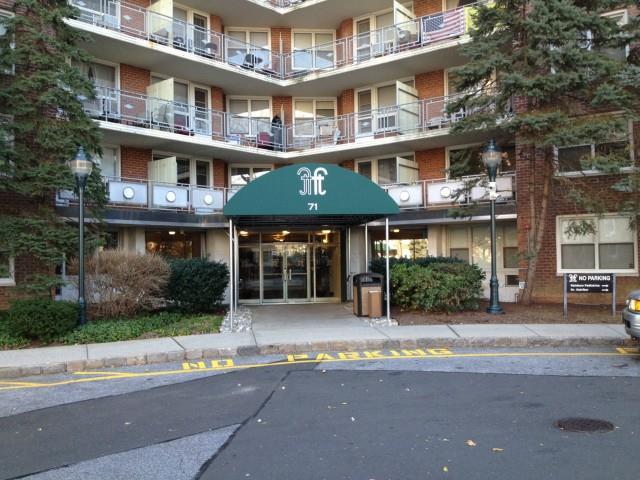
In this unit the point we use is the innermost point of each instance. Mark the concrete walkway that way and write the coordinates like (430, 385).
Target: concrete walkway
(301, 328)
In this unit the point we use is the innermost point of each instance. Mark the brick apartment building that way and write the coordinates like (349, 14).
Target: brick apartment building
(197, 99)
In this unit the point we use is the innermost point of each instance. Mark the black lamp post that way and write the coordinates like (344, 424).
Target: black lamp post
(81, 168)
(491, 157)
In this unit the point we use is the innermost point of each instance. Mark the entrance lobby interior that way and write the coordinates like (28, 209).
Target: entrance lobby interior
(289, 266)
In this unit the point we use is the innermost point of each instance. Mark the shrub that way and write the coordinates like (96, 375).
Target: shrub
(119, 284)
(41, 319)
(378, 265)
(439, 287)
(197, 285)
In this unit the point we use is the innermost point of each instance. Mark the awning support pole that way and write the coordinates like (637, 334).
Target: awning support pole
(348, 262)
(236, 267)
(386, 255)
(366, 247)
(232, 279)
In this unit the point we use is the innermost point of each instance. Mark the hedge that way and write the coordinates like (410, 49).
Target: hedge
(438, 287)
(197, 285)
(40, 319)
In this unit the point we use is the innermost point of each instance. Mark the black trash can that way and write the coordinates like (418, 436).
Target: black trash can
(366, 285)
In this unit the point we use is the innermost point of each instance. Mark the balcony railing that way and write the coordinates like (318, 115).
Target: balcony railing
(153, 195)
(140, 22)
(144, 194)
(284, 3)
(441, 193)
(143, 111)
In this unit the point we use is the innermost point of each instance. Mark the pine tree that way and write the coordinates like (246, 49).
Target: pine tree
(545, 72)
(43, 124)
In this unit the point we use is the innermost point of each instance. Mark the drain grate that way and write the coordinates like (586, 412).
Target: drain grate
(585, 425)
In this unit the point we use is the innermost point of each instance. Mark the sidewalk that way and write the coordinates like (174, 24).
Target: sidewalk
(49, 360)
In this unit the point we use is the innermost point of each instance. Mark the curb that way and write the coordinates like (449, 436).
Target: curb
(328, 346)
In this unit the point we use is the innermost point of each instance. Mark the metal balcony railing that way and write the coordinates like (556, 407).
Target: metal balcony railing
(426, 194)
(155, 195)
(132, 193)
(364, 47)
(142, 23)
(139, 22)
(284, 3)
(143, 111)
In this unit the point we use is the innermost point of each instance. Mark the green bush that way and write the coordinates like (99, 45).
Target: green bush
(197, 285)
(438, 287)
(378, 265)
(41, 319)
(161, 325)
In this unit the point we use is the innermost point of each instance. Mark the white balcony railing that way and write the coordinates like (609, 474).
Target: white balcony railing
(144, 194)
(139, 22)
(152, 195)
(142, 111)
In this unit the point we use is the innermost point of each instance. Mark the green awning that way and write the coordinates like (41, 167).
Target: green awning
(310, 193)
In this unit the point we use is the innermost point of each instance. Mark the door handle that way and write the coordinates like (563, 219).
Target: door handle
(289, 274)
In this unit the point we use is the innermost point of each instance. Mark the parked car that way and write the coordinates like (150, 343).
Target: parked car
(631, 314)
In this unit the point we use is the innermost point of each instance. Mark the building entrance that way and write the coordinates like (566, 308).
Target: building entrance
(306, 269)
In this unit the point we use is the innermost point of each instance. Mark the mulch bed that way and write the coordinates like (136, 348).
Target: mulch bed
(514, 313)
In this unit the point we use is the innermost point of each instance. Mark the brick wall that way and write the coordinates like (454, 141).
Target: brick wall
(345, 29)
(215, 23)
(349, 165)
(286, 105)
(426, 7)
(548, 285)
(134, 79)
(24, 266)
(134, 162)
(346, 102)
(430, 84)
(283, 33)
(431, 164)
(220, 175)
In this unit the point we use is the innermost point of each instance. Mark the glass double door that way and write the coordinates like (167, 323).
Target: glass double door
(285, 273)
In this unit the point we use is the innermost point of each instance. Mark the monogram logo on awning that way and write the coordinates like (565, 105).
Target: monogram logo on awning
(312, 183)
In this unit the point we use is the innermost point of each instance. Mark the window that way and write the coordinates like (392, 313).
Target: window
(313, 50)
(109, 163)
(313, 117)
(249, 116)
(510, 255)
(239, 176)
(609, 244)
(248, 48)
(187, 171)
(459, 243)
(473, 245)
(7, 272)
(386, 171)
(615, 53)
(387, 107)
(467, 161)
(174, 244)
(4, 16)
(190, 105)
(403, 243)
(105, 79)
(583, 158)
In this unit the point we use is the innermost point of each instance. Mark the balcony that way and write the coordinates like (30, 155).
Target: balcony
(138, 194)
(445, 193)
(434, 35)
(143, 194)
(133, 114)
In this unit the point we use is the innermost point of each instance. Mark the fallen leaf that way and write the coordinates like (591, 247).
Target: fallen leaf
(445, 469)
(497, 450)
(471, 443)
(353, 419)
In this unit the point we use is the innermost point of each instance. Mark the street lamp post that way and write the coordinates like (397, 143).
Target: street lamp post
(491, 157)
(81, 167)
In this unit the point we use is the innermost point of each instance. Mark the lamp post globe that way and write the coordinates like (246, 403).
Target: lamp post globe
(81, 167)
(491, 158)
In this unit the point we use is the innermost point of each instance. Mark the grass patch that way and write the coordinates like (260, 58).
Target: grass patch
(149, 326)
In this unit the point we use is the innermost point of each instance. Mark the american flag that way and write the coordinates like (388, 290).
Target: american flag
(443, 25)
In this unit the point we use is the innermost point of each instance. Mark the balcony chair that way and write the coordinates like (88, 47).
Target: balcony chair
(251, 61)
